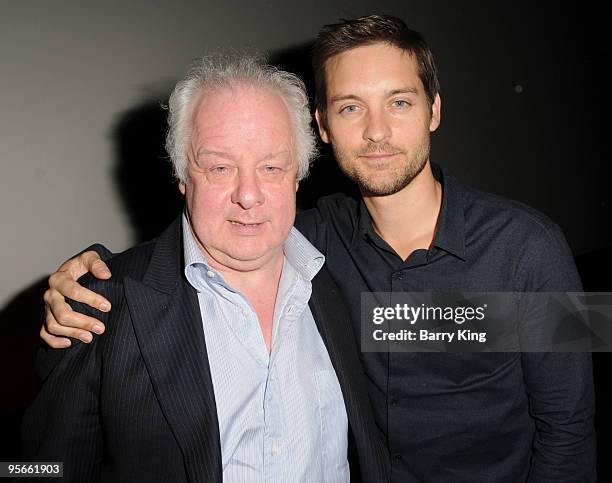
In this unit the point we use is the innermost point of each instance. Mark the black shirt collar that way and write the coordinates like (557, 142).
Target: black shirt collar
(450, 234)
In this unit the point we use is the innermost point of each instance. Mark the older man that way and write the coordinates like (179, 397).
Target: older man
(218, 364)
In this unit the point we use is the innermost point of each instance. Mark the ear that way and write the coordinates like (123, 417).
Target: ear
(322, 129)
(436, 107)
(182, 187)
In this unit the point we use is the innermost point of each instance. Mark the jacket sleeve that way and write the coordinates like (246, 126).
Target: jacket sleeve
(63, 422)
(559, 385)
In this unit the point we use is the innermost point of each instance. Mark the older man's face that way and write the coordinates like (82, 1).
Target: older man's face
(242, 177)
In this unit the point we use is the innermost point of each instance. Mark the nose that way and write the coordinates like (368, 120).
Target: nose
(247, 192)
(377, 128)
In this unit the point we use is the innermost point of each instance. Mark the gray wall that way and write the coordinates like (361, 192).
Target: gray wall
(519, 110)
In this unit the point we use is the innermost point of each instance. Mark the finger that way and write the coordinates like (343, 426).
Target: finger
(62, 285)
(55, 342)
(95, 265)
(57, 330)
(78, 266)
(61, 313)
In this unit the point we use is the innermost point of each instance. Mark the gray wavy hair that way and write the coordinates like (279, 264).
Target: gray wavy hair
(222, 70)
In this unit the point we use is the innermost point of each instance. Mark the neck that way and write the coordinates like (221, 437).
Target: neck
(407, 220)
(254, 279)
(260, 287)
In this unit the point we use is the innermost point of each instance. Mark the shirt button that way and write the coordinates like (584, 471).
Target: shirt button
(275, 450)
(210, 274)
(393, 401)
(245, 313)
(397, 458)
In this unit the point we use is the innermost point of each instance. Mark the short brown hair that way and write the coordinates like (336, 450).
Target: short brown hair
(333, 39)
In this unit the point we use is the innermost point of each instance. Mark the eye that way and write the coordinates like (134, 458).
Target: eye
(272, 170)
(220, 173)
(400, 104)
(350, 109)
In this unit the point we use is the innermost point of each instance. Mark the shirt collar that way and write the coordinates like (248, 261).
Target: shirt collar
(450, 234)
(305, 259)
(302, 255)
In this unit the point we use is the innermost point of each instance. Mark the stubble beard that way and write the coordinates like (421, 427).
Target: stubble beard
(394, 179)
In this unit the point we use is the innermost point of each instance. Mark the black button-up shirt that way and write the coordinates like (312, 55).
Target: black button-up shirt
(459, 417)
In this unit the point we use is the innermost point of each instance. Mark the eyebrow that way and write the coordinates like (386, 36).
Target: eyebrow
(224, 155)
(276, 155)
(208, 152)
(394, 92)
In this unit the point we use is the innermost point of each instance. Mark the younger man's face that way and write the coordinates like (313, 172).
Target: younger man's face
(378, 117)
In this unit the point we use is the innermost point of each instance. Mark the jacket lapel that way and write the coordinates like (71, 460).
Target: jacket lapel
(332, 319)
(334, 332)
(168, 325)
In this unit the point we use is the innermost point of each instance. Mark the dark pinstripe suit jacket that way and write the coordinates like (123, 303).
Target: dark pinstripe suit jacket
(137, 404)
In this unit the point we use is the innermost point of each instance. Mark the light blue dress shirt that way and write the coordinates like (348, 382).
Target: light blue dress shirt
(281, 415)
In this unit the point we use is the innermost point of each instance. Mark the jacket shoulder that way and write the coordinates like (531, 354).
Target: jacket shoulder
(132, 263)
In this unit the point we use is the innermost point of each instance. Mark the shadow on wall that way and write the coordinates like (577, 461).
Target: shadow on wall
(143, 172)
(20, 323)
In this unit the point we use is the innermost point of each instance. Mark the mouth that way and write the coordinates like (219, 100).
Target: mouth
(376, 156)
(248, 225)
(240, 228)
(379, 160)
